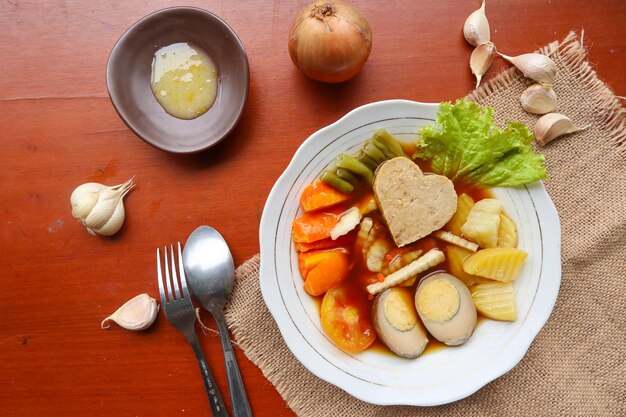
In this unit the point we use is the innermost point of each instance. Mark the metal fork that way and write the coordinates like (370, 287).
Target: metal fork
(181, 314)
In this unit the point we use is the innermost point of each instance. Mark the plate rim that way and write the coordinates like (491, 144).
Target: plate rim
(548, 220)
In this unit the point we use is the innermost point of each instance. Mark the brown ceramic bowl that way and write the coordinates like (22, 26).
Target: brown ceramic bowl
(130, 65)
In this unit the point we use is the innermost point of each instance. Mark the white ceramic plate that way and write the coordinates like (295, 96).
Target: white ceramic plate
(438, 377)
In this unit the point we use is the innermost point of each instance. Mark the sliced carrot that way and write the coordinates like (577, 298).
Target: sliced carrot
(313, 226)
(345, 241)
(319, 194)
(309, 260)
(333, 269)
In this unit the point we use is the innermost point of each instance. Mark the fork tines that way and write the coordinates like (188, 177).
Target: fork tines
(171, 280)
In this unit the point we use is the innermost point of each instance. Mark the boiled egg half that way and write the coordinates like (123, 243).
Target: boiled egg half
(446, 308)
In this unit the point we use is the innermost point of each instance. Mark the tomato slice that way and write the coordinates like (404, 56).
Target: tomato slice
(345, 315)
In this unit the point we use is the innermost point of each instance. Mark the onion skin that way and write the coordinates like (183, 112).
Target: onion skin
(330, 41)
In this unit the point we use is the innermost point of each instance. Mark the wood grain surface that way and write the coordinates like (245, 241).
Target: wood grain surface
(58, 129)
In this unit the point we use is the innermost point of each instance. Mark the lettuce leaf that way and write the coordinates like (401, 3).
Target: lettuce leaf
(467, 145)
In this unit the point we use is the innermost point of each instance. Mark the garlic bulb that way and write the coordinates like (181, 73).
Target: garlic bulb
(481, 60)
(553, 125)
(138, 313)
(535, 66)
(100, 208)
(476, 27)
(539, 99)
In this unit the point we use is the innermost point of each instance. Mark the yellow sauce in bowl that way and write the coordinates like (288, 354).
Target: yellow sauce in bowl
(184, 80)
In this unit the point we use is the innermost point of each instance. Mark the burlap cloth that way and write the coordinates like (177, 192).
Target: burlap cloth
(577, 364)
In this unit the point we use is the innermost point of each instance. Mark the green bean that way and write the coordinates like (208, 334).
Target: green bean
(373, 152)
(383, 148)
(366, 160)
(346, 175)
(392, 143)
(355, 166)
(334, 181)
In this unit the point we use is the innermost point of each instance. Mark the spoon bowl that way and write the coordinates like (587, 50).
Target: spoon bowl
(210, 268)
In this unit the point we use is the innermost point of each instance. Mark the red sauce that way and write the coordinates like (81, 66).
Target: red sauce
(360, 276)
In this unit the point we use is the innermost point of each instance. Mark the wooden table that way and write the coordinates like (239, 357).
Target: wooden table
(58, 129)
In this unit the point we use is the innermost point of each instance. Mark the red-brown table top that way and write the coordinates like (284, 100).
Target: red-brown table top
(59, 129)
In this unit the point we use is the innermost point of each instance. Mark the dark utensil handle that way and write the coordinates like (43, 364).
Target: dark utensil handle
(238, 397)
(215, 398)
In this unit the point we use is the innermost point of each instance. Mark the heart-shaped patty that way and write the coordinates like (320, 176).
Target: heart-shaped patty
(413, 204)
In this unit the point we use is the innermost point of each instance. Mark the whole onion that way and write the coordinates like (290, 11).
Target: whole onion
(330, 41)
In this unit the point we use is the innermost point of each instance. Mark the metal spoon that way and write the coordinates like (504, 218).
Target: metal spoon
(211, 275)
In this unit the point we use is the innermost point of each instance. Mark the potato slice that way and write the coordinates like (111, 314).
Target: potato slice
(500, 264)
(463, 206)
(507, 234)
(495, 300)
(483, 222)
(455, 256)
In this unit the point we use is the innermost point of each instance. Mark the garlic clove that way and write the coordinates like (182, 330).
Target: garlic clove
(84, 198)
(539, 99)
(476, 28)
(114, 223)
(103, 210)
(552, 125)
(537, 67)
(481, 60)
(100, 208)
(138, 313)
